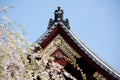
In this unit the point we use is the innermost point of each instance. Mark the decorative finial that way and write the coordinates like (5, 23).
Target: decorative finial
(58, 17)
(58, 14)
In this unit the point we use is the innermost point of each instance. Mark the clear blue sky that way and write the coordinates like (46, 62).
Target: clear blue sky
(95, 22)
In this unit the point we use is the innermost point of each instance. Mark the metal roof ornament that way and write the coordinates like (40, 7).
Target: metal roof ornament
(58, 17)
(58, 14)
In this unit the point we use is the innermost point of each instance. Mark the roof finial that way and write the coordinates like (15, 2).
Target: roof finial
(58, 17)
(58, 14)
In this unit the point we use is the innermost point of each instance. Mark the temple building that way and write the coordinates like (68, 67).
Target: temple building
(69, 51)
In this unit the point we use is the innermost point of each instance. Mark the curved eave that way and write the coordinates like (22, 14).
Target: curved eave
(81, 46)
(93, 56)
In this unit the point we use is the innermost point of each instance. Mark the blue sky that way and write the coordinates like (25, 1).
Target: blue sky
(95, 22)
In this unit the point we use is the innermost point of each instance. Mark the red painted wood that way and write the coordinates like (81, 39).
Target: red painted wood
(60, 60)
(60, 30)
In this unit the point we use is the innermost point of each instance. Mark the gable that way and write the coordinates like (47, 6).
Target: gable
(60, 39)
(59, 43)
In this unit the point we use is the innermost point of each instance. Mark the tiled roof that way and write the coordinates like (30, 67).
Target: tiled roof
(80, 44)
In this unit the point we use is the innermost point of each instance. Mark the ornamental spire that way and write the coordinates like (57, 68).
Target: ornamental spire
(58, 14)
(58, 17)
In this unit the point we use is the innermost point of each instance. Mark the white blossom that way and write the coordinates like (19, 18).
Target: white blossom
(6, 19)
(3, 8)
(19, 62)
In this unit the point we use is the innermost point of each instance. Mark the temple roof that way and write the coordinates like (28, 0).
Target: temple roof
(58, 19)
